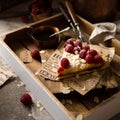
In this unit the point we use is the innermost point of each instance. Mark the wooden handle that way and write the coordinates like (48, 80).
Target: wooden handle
(116, 43)
(71, 11)
(115, 63)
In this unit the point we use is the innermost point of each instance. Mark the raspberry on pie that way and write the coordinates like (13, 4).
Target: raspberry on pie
(88, 57)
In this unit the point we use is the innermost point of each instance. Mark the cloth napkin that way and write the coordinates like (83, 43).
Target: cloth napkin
(102, 32)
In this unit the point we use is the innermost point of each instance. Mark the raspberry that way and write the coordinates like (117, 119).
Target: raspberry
(89, 58)
(64, 63)
(69, 48)
(37, 7)
(98, 59)
(78, 43)
(60, 69)
(25, 19)
(36, 55)
(93, 52)
(86, 47)
(69, 41)
(82, 53)
(34, 12)
(76, 50)
(26, 99)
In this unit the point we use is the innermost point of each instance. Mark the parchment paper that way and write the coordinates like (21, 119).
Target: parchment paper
(5, 72)
(81, 82)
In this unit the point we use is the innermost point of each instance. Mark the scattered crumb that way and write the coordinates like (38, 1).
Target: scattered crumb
(54, 69)
(42, 51)
(36, 73)
(79, 117)
(29, 114)
(84, 88)
(43, 61)
(38, 104)
(96, 99)
(41, 108)
(63, 101)
(20, 84)
(69, 101)
(53, 65)
(66, 91)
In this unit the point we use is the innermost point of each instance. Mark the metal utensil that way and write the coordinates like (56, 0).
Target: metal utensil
(66, 16)
(61, 31)
(74, 19)
(68, 19)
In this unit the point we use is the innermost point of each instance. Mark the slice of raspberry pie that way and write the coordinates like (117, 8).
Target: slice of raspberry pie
(81, 57)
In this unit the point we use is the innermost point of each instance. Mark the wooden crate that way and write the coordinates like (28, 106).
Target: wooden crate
(75, 104)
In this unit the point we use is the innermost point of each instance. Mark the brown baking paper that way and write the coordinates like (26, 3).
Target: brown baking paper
(25, 56)
(82, 83)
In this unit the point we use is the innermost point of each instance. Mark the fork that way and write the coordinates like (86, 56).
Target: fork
(74, 19)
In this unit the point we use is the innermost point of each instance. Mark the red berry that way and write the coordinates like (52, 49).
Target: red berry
(25, 19)
(64, 63)
(69, 48)
(37, 7)
(34, 12)
(78, 43)
(89, 58)
(86, 47)
(76, 50)
(26, 99)
(36, 55)
(93, 52)
(98, 59)
(69, 41)
(60, 69)
(82, 53)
